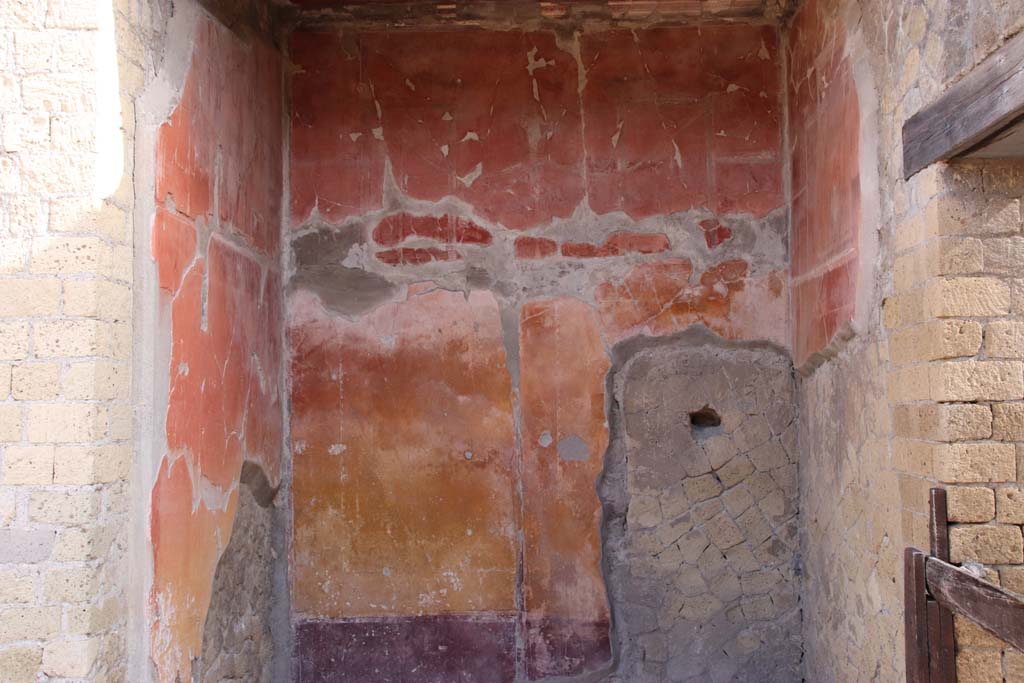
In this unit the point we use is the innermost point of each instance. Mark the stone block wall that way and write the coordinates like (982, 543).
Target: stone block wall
(960, 382)
(870, 422)
(68, 71)
(478, 217)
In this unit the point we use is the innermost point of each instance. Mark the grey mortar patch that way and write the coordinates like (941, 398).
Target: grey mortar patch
(573, 448)
(318, 259)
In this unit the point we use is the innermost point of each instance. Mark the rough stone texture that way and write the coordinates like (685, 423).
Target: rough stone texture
(66, 285)
(701, 522)
(237, 643)
(987, 544)
(970, 504)
(980, 200)
(865, 495)
(849, 492)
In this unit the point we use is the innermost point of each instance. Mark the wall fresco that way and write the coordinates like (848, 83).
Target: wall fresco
(216, 244)
(824, 124)
(479, 218)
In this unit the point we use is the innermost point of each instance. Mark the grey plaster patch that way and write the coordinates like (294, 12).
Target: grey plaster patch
(318, 258)
(761, 242)
(18, 546)
(573, 448)
(700, 536)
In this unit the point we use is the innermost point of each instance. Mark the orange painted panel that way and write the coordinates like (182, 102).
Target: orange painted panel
(188, 538)
(564, 437)
(404, 472)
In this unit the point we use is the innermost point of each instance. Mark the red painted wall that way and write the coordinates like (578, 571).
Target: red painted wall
(215, 242)
(824, 124)
(446, 444)
(675, 119)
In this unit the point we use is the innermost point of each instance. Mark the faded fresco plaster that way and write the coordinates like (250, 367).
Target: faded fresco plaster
(824, 147)
(477, 218)
(215, 241)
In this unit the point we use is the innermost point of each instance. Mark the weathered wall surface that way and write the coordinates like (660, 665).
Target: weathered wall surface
(66, 240)
(824, 141)
(701, 526)
(237, 640)
(215, 236)
(957, 337)
(478, 217)
(872, 434)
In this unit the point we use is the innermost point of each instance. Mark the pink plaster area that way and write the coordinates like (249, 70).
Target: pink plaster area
(666, 296)
(824, 144)
(647, 122)
(215, 243)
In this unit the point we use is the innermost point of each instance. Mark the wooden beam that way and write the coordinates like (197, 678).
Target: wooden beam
(995, 609)
(985, 101)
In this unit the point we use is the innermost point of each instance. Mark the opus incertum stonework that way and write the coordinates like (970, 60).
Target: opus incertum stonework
(475, 342)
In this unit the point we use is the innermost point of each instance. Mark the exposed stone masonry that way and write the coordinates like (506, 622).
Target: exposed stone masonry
(927, 392)
(237, 640)
(703, 568)
(960, 379)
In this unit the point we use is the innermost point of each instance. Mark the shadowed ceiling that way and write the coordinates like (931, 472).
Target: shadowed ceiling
(627, 10)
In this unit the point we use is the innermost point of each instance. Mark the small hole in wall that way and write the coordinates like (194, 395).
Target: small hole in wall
(704, 422)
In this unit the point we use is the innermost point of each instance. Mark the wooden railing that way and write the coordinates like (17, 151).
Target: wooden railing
(934, 589)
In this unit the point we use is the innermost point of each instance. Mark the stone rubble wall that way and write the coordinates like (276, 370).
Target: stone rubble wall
(701, 523)
(907, 404)
(237, 639)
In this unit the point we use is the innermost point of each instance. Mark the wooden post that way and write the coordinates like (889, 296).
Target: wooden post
(915, 616)
(941, 638)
